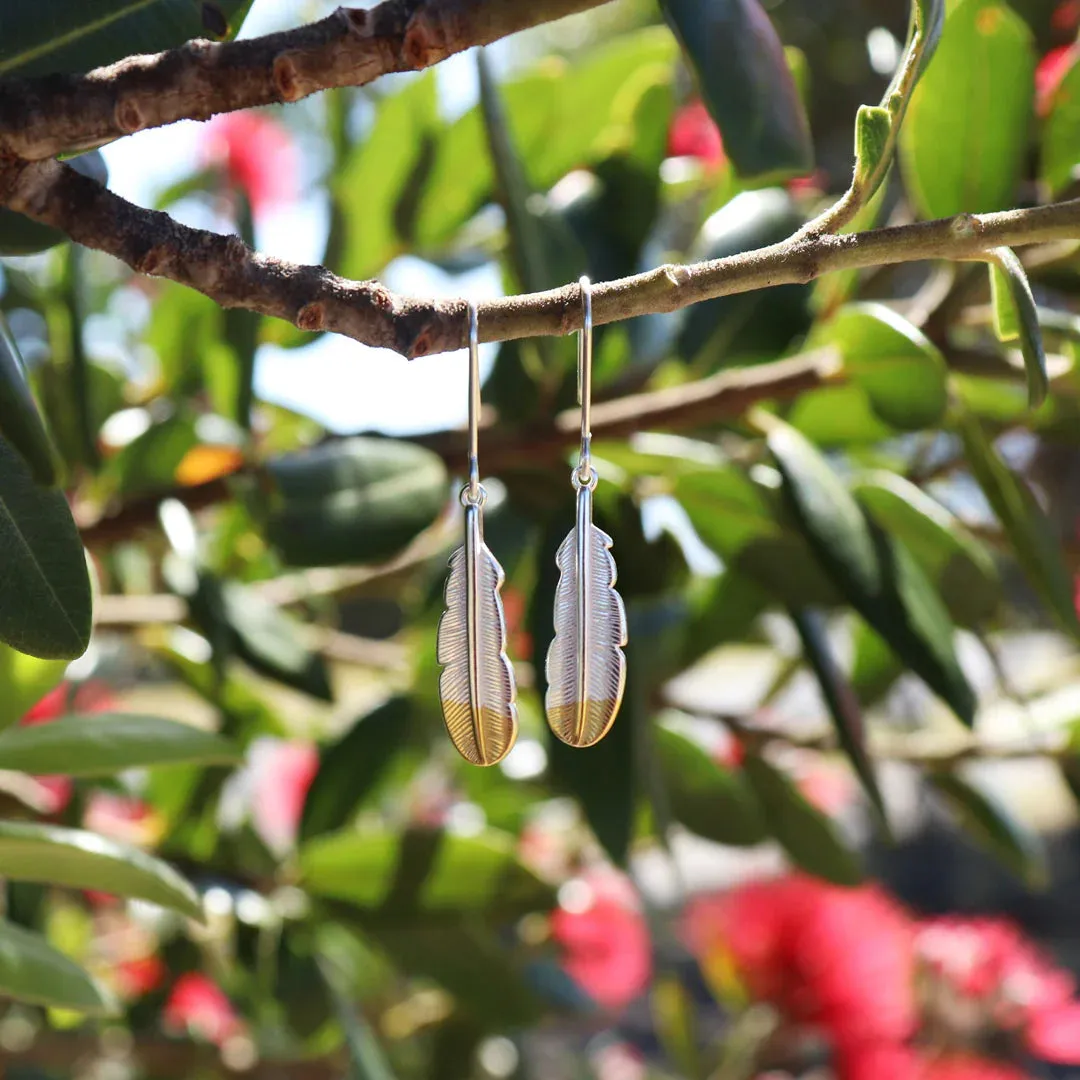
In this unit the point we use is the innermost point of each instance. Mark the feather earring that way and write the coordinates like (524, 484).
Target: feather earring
(586, 668)
(476, 686)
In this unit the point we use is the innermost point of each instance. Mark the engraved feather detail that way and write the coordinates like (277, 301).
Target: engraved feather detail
(586, 669)
(477, 683)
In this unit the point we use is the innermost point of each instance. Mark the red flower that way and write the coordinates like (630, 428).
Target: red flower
(1052, 69)
(1066, 17)
(283, 773)
(140, 975)
(258, 157)
(839, 959)
(123, 818)
(199, 1007)
(694, 134)
(989, 962)
(605, 939)
(55, 791)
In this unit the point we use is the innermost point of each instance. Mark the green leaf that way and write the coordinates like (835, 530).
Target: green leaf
(353, 500)
(468, 959)
(746, 83)
(722, 610)
(674, 1014)
(547, 124)
(1061, 131)
(873, 129)
(874, 666)
(264, 636)
(875, 572)
(84, 860)
(105, 743)
(77, 35)
(704, 796)
(842, 704)
(33, 971)
(981, 814)
(423, 870)
(370, 180)
(45, 588)
(900, 372)
(1033, 540)
(351, 766)
(1015, 316)
(365, 1055)
(958, 564)
(20, 422)
(805, 833)
(24, 681)
(965, 139)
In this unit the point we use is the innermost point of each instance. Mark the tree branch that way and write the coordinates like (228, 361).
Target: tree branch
(42, 117)
(726, 395)
(312, 298)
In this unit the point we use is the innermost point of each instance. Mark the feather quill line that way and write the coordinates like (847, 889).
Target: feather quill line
(472, 586)
(584, 529)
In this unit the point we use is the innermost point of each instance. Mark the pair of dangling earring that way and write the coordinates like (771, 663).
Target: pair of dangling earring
(586, 668)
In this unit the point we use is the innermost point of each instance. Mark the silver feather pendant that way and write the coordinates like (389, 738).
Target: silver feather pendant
(476, 686)
(586, 668)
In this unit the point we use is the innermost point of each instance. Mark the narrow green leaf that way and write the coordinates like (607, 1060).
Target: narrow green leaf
(105, 743)
(31, 970)
(964, 142)
(423, 870)
(873, 128)
(77, 35)
(1032, 536)
(842, 704)
(20, 422)
(874, 666)
(353, 500)
(351, 767)
(981, 814)
(873, 570)
(45, 587)
(746, 83)
(24, 681)
(1015, 316)
(706, 798)
(805, 833)
(957, 563)
(674, 1014)
(365, 1055)
(84, 860)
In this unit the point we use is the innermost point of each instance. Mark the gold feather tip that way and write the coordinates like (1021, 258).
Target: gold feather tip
(586, 668)
(476, 686)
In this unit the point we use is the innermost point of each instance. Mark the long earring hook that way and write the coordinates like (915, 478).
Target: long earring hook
(474, 492)
(584, 361)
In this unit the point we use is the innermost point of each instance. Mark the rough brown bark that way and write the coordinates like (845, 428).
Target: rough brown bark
(42, 117)
(314, 299)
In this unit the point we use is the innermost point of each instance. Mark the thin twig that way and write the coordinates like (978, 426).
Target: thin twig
(312, 298)
(42, 117)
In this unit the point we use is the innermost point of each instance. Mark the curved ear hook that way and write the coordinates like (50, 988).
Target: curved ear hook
(584, 371)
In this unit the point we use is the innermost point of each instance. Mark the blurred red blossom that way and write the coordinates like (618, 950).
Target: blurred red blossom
(840, 959)
(257, 155)
(122, 817)
(139, 975)
(1052, 68)
(55, 791)
(858, 968)
(604, 937)
(282, 774)
(693, 133)
(199, 1007)
(1066, 17)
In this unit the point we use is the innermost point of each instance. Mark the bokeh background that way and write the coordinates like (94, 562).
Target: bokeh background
(825, 838)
